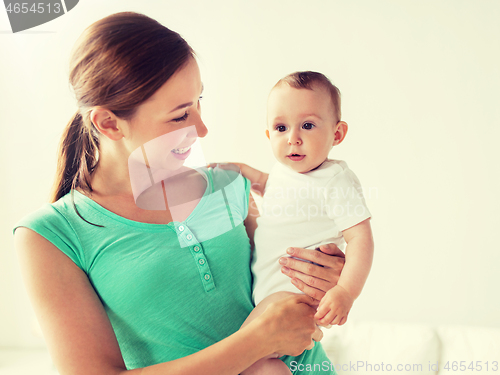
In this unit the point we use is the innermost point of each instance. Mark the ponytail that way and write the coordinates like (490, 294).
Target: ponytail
(77, 159)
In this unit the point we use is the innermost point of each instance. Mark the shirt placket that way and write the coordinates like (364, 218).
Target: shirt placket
(188, 239)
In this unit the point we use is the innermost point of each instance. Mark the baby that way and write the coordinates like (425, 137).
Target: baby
(308, 200)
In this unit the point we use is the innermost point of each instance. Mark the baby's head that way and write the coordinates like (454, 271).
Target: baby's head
(303, 120)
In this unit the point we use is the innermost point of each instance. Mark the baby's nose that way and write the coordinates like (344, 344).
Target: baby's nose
(294, 141)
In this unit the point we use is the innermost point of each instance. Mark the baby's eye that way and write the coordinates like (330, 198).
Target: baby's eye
(180, 119)
(308, 126)
(280, 128)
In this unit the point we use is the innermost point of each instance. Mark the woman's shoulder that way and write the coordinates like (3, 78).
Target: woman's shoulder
(227, 179)
(48, 214)
(53, 221)
(223, 175)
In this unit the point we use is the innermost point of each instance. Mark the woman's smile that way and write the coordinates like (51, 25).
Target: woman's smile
(181, 153)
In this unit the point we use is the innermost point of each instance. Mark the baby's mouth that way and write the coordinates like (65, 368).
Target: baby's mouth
(296, 157)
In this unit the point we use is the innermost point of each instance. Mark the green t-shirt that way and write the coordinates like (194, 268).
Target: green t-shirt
(169, 290)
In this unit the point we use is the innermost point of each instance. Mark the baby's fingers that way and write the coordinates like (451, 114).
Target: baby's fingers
(321, 311)
(329, 318)
(341, 318)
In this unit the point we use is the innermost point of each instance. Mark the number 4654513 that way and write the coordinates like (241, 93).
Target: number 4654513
(35, 8)
(471, 366)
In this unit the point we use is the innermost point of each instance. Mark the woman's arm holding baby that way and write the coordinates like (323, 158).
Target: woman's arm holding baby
(82, 341)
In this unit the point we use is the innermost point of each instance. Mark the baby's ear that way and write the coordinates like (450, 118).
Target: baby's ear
(340, 132)
(267, 134)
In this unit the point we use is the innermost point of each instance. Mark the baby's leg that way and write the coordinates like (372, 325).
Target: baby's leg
(269, 365)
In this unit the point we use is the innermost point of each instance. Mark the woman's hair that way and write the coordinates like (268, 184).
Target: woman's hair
(307, 80)
(117, 63)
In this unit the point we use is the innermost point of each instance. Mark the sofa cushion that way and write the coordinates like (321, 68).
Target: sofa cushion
(476, 349)
(367, 347)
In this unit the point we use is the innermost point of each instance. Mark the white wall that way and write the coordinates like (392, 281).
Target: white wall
(420, 86)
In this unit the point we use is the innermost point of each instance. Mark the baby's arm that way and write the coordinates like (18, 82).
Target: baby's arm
(336, 304)
(256, 177)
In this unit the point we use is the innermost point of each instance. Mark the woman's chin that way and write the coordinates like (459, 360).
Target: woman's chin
(169, 170)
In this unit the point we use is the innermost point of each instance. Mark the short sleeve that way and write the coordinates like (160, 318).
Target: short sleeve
(241, 196)
(345, 201)
(246, 186)
(236, 189)
(53, 226)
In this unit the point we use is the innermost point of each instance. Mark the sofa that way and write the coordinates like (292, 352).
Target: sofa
(382, 347)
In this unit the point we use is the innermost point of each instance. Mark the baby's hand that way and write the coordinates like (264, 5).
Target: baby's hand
(334, 307)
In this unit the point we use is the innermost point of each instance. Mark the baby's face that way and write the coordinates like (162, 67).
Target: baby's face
(301, 126)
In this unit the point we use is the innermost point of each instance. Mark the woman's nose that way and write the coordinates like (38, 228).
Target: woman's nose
(199, 127)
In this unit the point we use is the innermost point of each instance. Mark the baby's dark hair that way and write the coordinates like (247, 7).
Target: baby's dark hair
(307, 80)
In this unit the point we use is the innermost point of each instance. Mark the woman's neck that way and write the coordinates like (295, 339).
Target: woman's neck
(111, 176)
(142, 199)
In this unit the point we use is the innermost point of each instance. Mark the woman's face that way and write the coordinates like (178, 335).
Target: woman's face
(166, 125)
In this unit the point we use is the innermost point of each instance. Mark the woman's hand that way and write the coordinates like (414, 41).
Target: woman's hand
(316, 278)
(289, 325)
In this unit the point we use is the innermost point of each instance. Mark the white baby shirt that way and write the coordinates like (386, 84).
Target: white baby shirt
(303, 210)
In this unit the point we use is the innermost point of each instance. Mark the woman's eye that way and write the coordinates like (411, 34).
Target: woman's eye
(180, 119)
(280, 128)
(308, 126)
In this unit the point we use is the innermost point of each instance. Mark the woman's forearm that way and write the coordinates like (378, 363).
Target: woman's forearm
(262, 305)
(227, 357)
(286, 326)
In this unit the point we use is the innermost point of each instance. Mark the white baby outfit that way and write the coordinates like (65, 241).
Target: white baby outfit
(303, 210)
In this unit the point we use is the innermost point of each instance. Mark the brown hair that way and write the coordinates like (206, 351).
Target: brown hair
(117, 63)
(307, 80)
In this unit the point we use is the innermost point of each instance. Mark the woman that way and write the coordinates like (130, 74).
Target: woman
(122, 287)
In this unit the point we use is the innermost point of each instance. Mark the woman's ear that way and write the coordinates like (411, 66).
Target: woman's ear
(106, 123)
(340, 132)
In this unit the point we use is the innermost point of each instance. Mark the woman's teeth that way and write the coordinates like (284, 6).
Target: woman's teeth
(181, 150)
